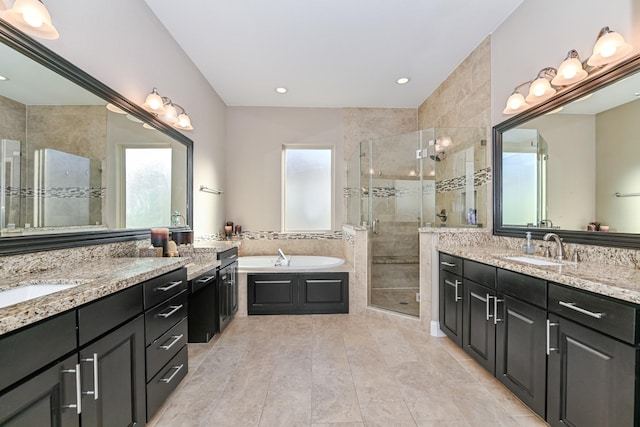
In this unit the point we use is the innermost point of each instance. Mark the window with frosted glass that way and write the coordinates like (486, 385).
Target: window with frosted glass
(308, 189)
(147, 187)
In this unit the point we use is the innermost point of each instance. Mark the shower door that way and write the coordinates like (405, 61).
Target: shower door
(395, 199)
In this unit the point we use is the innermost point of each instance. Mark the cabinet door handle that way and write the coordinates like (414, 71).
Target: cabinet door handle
(78, 404)
(175, 338)
(573, 306)
(173, 308)
(175, 372)
(232, 256)
(549, 325)
(488, 303)
(168, 287)
(205, 279)
(93, 393)
(495, 310)
(455, 285)
(448, 264)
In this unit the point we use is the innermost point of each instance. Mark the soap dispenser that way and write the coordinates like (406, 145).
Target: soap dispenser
(528, 246)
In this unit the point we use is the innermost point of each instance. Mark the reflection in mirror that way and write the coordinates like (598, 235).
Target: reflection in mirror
(65, 164)
(575, 168)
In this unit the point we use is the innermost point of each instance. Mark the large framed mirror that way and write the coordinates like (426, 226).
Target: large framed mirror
(81, 164)
(572, 164)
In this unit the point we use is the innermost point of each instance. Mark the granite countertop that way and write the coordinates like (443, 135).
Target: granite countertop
(614, 281)
(96, 279)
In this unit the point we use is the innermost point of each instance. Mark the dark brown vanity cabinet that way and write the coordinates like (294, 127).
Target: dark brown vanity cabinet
(479, 313)
(521, 363)
(451, 297)
(593, 359)
(166, 331)
(298, 293)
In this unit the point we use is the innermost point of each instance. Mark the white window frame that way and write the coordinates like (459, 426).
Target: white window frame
(283, 180)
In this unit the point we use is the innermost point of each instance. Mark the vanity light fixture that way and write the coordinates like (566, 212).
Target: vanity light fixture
(154, 103)
(167, 110)
(540, 89)
(403, 80)
(115, 109)
(32, 18)
(570, 71)
(609, 48)
(516, 102)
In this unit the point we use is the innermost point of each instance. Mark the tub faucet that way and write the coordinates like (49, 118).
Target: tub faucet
(558, 240)
(282, 259)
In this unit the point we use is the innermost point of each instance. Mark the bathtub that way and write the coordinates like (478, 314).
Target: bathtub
(298, 262)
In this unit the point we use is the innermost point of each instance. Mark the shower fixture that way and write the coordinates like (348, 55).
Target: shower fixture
(438, 156)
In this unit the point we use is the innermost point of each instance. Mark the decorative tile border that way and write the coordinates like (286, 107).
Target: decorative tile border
(274, 235)
(480, 177)
(58, 192)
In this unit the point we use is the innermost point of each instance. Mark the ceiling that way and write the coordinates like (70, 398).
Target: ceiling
(329, 53)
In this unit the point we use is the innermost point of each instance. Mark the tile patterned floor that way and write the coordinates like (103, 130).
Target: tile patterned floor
(399, 300)
(335, 370)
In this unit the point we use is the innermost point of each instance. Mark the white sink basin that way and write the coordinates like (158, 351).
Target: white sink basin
(533, 261)
(34, 290)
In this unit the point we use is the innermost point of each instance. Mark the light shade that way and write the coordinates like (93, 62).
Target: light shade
(515, 104)
(540, 90)
(170, 114)
(570, 71)
(184, 122)
(32, 18)
(609, 48)
(154, 103)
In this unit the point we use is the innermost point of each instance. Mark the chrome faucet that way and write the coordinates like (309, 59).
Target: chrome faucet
(558, 240)
(282, 259)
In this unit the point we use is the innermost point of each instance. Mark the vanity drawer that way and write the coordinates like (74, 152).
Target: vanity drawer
(97, 318)
(163, 287)
(161, 318)
(526, 288)
(161, 386)
(33, 347)
(164, 348)
(482, 274)
(612, 317)
(451, 264)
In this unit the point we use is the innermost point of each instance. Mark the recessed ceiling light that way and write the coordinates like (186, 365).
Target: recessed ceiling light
(3, 78)
(281, 90)
(403, 80)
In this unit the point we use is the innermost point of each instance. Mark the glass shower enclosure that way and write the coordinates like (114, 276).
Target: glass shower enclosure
(399, 184)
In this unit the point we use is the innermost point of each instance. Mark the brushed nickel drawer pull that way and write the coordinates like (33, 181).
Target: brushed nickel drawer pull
(488, 303)
(173, 308)
(495, 310)
(573, 306)
(170, 286)
(94, 359)
(448, 264)
(78, 405)
(175, 338)
(205, 279)
(549, 325)
(177, 368)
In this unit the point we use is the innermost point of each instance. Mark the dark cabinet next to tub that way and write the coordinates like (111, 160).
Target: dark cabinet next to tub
(298, 293)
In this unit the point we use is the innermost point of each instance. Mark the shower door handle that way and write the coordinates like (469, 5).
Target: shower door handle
(374, 226)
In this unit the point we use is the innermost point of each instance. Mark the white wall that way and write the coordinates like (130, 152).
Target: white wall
(541, 32)
(122, 44)
(255, 137)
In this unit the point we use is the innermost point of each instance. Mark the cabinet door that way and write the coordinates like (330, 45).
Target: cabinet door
(47, 400)
(323, 293)
(113, 378)
(272, 293)
(479, 332)
(451, 296)
(521, 359)
(591, 378)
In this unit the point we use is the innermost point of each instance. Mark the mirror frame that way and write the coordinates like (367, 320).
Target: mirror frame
(14, 245)
(592, 83)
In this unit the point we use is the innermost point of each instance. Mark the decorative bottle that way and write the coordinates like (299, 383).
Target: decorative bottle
(528, 246)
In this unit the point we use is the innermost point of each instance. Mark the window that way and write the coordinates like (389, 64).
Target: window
(307, 193)
(147, 187)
